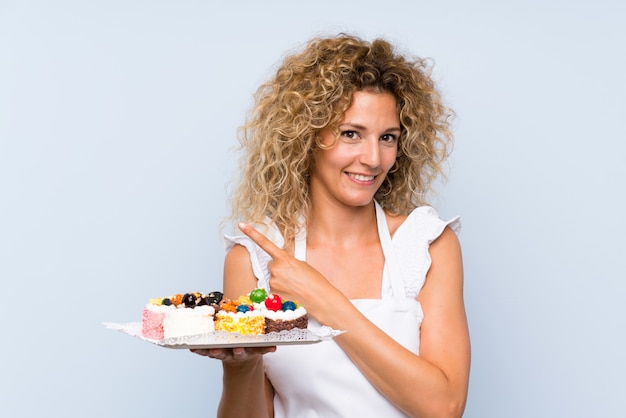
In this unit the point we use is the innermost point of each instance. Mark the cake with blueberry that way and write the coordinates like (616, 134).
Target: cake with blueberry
(279, 314)
(180, 315)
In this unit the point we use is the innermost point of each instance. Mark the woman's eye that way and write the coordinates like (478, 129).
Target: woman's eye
(350, 134)
(388, 138)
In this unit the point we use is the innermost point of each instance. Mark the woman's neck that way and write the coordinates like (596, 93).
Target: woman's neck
(332, 222)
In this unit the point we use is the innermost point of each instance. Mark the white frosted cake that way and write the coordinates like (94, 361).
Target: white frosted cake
(179, 315)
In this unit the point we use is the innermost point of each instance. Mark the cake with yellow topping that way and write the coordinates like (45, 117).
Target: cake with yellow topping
(239, 316)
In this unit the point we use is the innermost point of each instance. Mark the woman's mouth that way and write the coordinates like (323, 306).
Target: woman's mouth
(361, 177)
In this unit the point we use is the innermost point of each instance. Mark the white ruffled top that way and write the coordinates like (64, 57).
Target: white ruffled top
(410, 243)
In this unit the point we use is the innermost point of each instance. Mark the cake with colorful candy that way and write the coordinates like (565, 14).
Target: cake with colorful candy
(280, 315)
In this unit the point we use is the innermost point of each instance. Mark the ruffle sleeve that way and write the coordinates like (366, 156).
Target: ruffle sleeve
(411, 243)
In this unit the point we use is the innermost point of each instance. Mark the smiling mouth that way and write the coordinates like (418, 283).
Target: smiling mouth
(361, 177)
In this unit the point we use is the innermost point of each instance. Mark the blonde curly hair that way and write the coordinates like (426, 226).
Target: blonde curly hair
(313, 89)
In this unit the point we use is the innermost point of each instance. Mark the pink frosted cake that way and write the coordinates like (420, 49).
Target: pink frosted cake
(180, 315)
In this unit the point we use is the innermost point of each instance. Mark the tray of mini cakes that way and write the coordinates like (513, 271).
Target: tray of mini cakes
(211, 320)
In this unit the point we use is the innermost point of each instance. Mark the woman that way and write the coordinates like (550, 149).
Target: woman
(341, 148)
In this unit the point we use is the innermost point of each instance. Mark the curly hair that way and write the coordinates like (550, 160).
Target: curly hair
(313, 89)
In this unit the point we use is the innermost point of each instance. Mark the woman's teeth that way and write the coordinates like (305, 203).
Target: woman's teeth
(361, 177)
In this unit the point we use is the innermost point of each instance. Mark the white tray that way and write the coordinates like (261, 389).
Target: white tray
(221, 339)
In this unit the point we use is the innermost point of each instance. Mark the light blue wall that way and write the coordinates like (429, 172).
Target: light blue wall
(117, 126)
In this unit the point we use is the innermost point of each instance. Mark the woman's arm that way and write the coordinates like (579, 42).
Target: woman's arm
(433, 384)
(244, 374)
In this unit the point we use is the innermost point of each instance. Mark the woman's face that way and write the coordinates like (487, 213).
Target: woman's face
(351, 171)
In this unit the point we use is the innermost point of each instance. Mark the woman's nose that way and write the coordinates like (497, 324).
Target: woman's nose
(370, 153)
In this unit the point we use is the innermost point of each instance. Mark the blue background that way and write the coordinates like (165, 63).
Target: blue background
(117, 137)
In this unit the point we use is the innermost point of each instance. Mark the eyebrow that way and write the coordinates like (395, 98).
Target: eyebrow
(361, 127)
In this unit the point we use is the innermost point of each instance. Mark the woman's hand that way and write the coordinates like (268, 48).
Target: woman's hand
(234, 355)
(294, 279)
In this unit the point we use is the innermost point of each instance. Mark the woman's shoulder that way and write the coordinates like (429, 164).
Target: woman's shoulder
(258, 257)
(423, 221)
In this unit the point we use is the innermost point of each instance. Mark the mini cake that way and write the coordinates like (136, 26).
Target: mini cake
(239, 316)
(279, 315)
(179, 315)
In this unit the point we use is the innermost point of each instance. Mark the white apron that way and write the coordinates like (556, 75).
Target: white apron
(319, 380)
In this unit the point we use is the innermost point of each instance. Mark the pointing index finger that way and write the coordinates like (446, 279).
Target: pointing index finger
(261, 240)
